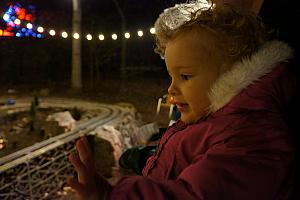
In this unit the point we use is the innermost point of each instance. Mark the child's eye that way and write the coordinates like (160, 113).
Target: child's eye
(185, 77)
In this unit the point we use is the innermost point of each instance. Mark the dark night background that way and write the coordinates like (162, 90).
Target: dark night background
(47, 62)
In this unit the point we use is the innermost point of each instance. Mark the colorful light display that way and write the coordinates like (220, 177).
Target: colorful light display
(19, 22)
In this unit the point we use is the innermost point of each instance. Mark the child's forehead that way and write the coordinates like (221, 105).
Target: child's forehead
(191, 45)
(200, 37)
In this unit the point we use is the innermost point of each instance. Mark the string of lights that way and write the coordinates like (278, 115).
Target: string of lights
(113, 36)
(19, 22)
(64, 34)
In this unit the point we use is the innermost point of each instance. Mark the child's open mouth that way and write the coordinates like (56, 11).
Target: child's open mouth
(182, 106)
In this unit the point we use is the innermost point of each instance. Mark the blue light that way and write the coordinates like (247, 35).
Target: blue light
(24, 30)
(10, 11)
(39, 35)
(33, 34)
(19, 34)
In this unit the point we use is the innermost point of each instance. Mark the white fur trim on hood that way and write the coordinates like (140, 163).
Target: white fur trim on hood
(243, 73)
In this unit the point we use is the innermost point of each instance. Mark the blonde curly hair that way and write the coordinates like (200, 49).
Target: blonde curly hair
(238, 32)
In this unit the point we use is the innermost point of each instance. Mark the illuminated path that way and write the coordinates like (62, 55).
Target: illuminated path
(39, 171)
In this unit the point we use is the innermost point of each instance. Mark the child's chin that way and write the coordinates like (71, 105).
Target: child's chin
(187, 120)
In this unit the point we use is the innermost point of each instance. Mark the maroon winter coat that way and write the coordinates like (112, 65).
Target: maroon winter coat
(241, 151)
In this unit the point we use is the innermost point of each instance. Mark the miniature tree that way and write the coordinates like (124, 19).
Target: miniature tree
(76, 113)
(33, 114)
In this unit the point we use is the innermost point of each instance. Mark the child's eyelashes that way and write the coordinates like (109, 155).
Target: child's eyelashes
(185, 77)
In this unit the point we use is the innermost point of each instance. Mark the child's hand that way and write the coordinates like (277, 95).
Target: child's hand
(87, 185)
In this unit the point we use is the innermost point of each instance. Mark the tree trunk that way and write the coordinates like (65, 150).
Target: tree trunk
(124, 42)
(76, 47)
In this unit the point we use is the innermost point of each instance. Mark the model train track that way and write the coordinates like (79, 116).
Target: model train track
(109, 114)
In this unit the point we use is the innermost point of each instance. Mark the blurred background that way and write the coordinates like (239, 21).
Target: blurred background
(117, 61)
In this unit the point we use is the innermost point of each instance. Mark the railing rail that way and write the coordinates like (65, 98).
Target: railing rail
(39, 171)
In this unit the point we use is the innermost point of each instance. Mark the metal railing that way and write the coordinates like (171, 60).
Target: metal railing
(39, 171)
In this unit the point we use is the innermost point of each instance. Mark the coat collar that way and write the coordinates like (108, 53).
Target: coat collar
(245, 72)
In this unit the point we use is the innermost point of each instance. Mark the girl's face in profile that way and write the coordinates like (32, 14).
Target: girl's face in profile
(193, 65)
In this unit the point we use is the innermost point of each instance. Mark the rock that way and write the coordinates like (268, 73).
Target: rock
(52, 129)
(25, 120)
(20, 125)
(110, 134)
(15, 130)
(11, 91)
(58, 123)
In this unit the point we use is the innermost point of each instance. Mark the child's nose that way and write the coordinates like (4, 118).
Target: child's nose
(172, 89)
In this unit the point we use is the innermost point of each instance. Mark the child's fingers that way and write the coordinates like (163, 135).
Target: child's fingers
(84, 154)
(79, 167)
(75, 185)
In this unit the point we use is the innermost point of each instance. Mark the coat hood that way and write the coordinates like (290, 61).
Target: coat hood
(247, 72)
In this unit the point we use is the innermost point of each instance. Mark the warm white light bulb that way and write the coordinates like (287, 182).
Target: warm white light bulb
(29, 26)
(52, 32)
(17, 21)
(40, 29)
(89, 37)
(152, 30)
(140, 33)
(76, 36)
(127, 35)
(114, 36)
(64, 34)
(101, 37)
